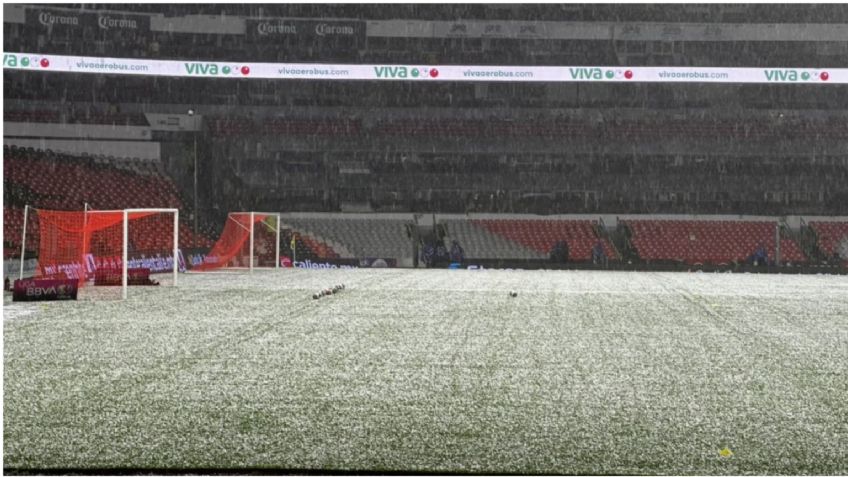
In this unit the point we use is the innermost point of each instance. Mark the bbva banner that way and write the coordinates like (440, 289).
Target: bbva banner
(238, 69)
(37, 290)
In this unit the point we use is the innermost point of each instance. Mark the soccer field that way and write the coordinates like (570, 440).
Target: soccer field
(437, 371)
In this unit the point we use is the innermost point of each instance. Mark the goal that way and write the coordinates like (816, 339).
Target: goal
(250, 240)
(112, 249)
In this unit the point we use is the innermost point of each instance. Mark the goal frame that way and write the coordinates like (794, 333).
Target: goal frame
(125, 227)
(251, 240)
(125, 240)
(253, 214)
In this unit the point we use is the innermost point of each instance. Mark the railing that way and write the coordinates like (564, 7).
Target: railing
(808, 240)
(601, 231)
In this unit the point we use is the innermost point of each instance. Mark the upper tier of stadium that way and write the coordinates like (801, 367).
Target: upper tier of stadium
(810, 36)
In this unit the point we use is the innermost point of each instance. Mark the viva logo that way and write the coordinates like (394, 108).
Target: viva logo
(389, 72)
(392, 72)
(793, 75)
(589, 74)
(784, 75)
(202, 68)
(13, 61)
(212, 69)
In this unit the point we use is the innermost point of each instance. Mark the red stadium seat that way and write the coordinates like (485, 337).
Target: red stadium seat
(542, 235)
(67, 184)
(712, 242)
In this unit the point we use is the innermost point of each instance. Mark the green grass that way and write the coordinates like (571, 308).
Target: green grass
(437, 371)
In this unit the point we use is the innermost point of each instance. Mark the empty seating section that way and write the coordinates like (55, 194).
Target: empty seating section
(361, 237)
(39, 116)
(306, 247)
(542, 235)
(75, 117)
(830, 235)
(715, 242)
(718, 128)
(318, 127)
(319, 249)
(67, 185)
(13, 224)
(231, 126)
(56, 181)
(239, 125)
(479, 242)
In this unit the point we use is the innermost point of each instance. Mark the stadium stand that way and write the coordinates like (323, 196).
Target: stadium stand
(305, 247)
(48, 180)
(530, 50)
(13, 222)
(830, 235)
(319, 249)
(714, 242)
(37, 116)
(87, 116)
(541, 235)
(736, 13)
(480, 242)
(356, 238)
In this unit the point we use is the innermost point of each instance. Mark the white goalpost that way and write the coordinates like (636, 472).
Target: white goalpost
(249, 240)
(252, 241)
(23, 242)
(149, 219)
(111, 248)
(125, 246)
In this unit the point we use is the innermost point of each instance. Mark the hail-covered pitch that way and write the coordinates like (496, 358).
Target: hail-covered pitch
(437, 371)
